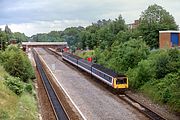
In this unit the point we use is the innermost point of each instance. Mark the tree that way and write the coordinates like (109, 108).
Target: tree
(123, 56)
(7, 30)
(3, 39)
(118, 25)
(17, 64)
(128, 55)
(152, 20)
(19, 37)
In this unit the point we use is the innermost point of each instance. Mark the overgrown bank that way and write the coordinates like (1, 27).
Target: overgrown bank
(134, 52)
(156, 73)
(17, 96)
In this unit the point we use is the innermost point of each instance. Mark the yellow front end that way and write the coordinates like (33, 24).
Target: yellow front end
(120, 86)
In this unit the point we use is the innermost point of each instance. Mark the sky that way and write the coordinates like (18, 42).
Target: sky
(42, 16)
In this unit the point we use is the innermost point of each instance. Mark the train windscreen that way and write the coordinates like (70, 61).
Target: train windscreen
(122, 80)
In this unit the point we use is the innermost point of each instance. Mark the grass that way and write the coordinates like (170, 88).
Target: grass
(26, 104)
(13, 107)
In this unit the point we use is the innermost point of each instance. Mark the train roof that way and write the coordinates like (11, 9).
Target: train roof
(65, 53)
(74, 56)
(85, 61)
(71, 55)
(107, 71)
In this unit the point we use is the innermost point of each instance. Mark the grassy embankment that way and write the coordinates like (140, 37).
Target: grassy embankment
(17, 96)
(14, 107)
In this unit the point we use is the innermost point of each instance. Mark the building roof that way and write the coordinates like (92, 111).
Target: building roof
(44, 43)
(169, 31)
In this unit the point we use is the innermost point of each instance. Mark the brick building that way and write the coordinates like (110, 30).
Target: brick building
(133, 25)
(168, 39)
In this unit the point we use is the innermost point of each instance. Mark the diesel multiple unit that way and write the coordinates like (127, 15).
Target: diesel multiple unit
(117, 81)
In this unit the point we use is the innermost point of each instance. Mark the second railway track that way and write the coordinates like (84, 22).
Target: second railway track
(59, 110)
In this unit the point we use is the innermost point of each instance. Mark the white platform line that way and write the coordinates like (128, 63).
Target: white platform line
(63, 88)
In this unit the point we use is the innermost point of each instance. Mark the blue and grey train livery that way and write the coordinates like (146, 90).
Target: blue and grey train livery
(108, 76)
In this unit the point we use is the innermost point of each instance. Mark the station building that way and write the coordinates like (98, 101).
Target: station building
(169, 39)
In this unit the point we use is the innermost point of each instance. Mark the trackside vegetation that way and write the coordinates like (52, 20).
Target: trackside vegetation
(158, 77)
(114, 44)
(17, 96)
(17, 64)
(154, 72)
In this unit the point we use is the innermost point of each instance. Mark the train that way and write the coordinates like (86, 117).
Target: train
(108, 76)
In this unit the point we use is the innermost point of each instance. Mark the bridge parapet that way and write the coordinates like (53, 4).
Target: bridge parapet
(54, 45)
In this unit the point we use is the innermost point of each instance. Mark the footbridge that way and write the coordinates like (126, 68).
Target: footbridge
(54, 45)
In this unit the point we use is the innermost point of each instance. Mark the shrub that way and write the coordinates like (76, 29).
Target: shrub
(165, 90)
(28, 88)
(141, 74)
(158, 64)
(128, 54)
(14, 84)
(162, 64)
(17, 64)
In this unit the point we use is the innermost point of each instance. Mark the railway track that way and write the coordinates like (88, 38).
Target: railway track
(58, 109)
(127, 98)
(143, 109)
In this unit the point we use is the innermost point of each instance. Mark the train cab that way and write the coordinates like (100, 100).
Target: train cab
(120, 82)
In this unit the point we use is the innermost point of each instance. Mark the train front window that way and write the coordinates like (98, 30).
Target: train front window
(122, 80)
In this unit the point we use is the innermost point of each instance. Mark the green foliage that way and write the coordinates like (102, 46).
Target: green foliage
(158, 64)
(165, 90)
(85, 54)
(152, 20)
(14, 84)
(28, 88)
(17, 64)
(53, 36)
(166, 62)
(7, 30)
(127, 55)
(4, 115)
(16, 107)
(3, 39)
(158, 76)
(161, 65)
(141, 74)
(20, 37)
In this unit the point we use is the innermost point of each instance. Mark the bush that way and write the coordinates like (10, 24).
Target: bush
(28, 88)
(128, 54)
(165, 90)
(158, 64)
(14, 84)
(17, 64)
(141, 74)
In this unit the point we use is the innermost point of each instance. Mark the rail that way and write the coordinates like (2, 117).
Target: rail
(58, 109)
(140, 107)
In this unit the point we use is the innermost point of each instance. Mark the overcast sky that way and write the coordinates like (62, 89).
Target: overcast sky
(38, 16)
